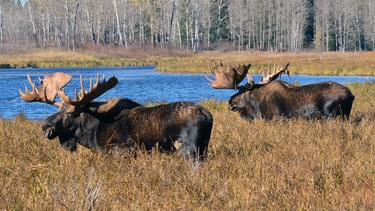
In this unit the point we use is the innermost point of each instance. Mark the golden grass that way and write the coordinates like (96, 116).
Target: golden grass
(280, 165)
(331, 63)
(63, 58)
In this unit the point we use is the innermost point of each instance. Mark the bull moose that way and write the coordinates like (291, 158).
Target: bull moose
(270, 98)
(122, 123)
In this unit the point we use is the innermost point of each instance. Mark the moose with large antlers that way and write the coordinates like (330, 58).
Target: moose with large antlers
(121, 123)
(270, 98)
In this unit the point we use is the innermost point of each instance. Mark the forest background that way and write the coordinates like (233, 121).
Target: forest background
(193, 25)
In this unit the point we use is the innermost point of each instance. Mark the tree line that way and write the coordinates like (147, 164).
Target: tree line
(266, 25)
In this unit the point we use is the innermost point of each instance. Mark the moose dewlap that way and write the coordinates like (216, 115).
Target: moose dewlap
(120, 123)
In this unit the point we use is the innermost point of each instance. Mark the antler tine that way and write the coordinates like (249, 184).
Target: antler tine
(34, 95)
(227, 78)
(29, 79)
(41, 81)
(76, 94)
(82, 92)
(210, 80)
(95, 91)
(212, 70)
(250, 82)
(274, 75)
(263, 74)
(47, 92)
(249, 78)
(97, 80)
(90, 84)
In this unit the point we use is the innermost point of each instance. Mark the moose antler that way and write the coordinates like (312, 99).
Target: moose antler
(47, 92)
(227, 78)
(95, 91)
(230, 78)
(270, 77)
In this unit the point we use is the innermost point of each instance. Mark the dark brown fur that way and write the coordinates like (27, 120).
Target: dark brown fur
(280, 99)
(123, 123)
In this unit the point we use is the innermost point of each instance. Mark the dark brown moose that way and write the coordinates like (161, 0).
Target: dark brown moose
(122, 123)
(270, 98)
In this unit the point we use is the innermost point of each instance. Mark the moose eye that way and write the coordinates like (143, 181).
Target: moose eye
(71, 114)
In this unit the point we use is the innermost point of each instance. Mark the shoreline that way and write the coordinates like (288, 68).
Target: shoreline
(309, 63)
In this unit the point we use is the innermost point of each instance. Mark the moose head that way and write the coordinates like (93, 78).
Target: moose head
(64, 123)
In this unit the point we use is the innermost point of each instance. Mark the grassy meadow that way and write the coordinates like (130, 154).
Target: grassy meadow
(279, 165)
(313, 63)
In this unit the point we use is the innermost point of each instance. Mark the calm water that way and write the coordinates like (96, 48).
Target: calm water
(141, 84)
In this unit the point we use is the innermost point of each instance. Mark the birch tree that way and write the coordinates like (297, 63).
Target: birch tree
(270, 25)
(118, 34)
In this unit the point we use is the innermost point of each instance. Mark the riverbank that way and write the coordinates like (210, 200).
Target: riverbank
(311, 63)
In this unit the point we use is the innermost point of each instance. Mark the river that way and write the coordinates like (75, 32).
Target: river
(141, 84)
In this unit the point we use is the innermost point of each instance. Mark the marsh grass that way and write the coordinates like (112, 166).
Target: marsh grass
(332, 63)
(312, 63)
(280, 165)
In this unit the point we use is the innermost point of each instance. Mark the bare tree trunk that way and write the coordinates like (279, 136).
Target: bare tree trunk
(118, 29)
(171, 20)
(90, 24)
(327, 23)
(32, 23)
(125, 28)
(141, 27)
(187, 26)
(44, 35)
(67, 26)
(371, 6)
(196, 26)
(220, 18)
(270, 22)
(1, 25)
(48, 25)
(208, 31)
(179, 35)
(75, 26)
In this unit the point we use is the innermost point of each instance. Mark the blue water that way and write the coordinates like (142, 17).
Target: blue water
(141, 84)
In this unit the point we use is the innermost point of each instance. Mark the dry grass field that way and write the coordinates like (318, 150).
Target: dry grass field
(313, 63)
(273, 165)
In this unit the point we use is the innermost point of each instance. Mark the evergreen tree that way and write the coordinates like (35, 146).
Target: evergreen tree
(219, 30)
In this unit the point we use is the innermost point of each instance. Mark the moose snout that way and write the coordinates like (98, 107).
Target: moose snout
(233, 106)
(50, 133)
(49, 130)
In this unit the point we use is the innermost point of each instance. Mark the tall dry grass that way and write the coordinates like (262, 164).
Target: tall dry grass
(280, 165)
(312, 63)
